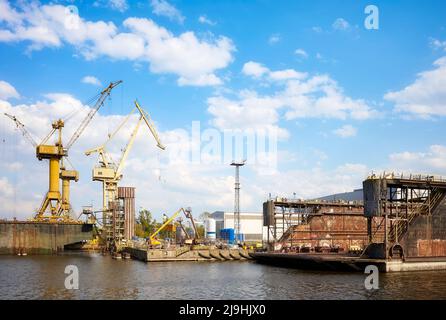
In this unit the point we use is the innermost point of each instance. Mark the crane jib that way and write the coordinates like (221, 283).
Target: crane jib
(104, 94)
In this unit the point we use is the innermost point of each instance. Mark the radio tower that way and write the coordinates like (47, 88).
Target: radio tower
(237, 166)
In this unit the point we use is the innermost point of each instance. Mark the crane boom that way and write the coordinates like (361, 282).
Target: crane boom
(104, 94)
(152, 128)
(22, 128)
(165, 224)
(127, 149)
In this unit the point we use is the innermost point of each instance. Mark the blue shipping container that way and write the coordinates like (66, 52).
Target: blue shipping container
(227, 235)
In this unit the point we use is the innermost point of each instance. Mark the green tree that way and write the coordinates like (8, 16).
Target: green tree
(200, 231)
(203, 216)
(145, 224)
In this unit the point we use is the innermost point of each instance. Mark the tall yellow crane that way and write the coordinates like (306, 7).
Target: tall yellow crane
(110, 173)
(56, 203)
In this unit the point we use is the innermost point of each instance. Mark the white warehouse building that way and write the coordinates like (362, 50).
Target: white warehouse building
(251, 224)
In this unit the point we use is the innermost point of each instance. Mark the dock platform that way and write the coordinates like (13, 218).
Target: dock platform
(339, 262)
(188, 254)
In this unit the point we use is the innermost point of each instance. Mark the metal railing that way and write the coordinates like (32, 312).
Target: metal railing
(408, 176)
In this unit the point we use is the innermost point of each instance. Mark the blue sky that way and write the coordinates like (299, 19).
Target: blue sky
(375, 98)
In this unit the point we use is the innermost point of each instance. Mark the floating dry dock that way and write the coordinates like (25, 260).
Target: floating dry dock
(336, 262)
(188, 254)
(24, 237)
(405, 220)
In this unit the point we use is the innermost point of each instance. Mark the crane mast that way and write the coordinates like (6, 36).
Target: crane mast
(110, 173)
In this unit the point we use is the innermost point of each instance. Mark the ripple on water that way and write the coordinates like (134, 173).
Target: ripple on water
(42, 277)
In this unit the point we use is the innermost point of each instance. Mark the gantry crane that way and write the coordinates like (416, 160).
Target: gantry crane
(57, 203)
(110, 173)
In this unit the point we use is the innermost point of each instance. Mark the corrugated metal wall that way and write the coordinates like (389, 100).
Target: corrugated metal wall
(127, 196)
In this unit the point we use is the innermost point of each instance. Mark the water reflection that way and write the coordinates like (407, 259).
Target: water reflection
(42, 277)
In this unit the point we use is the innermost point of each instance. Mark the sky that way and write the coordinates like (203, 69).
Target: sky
(326, 97)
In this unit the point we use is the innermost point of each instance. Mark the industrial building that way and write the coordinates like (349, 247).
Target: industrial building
(251, 224)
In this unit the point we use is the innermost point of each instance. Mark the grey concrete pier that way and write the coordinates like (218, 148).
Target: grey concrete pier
(186, 254)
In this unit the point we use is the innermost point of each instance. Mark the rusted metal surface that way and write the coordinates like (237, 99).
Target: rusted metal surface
(127, 196)
(414, 211)
(18, 237)
(330, 230)
(316, 225)
(126, 192)
(426, 236)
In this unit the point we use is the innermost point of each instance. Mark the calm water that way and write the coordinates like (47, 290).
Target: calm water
(42, 277)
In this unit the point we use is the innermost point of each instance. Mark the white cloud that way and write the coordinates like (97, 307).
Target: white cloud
(321, 97)
(118, 5)
(301, 53)
(6, 187)
(193, 60)
(7, 91)
(164, 8)
(248, 112)
(254, 69)
(432, 161)
(346, 131)
(286, 74)
(8, 14)
(298, 96)
(438, 44)
(341, 24)
(206, 20)
(274, 38)
(312, 183)
(317, 29)
(426, 96)
(91, 80)
(257, 70)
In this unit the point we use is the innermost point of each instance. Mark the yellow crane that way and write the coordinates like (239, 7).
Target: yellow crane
(57, 203)
(110, 173)
(188, 214)
(152, 239)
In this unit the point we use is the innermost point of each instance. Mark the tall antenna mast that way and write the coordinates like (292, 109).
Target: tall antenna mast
(237, 166)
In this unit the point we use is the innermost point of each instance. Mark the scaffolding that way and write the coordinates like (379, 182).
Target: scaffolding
(119, 221)
(399, 199)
